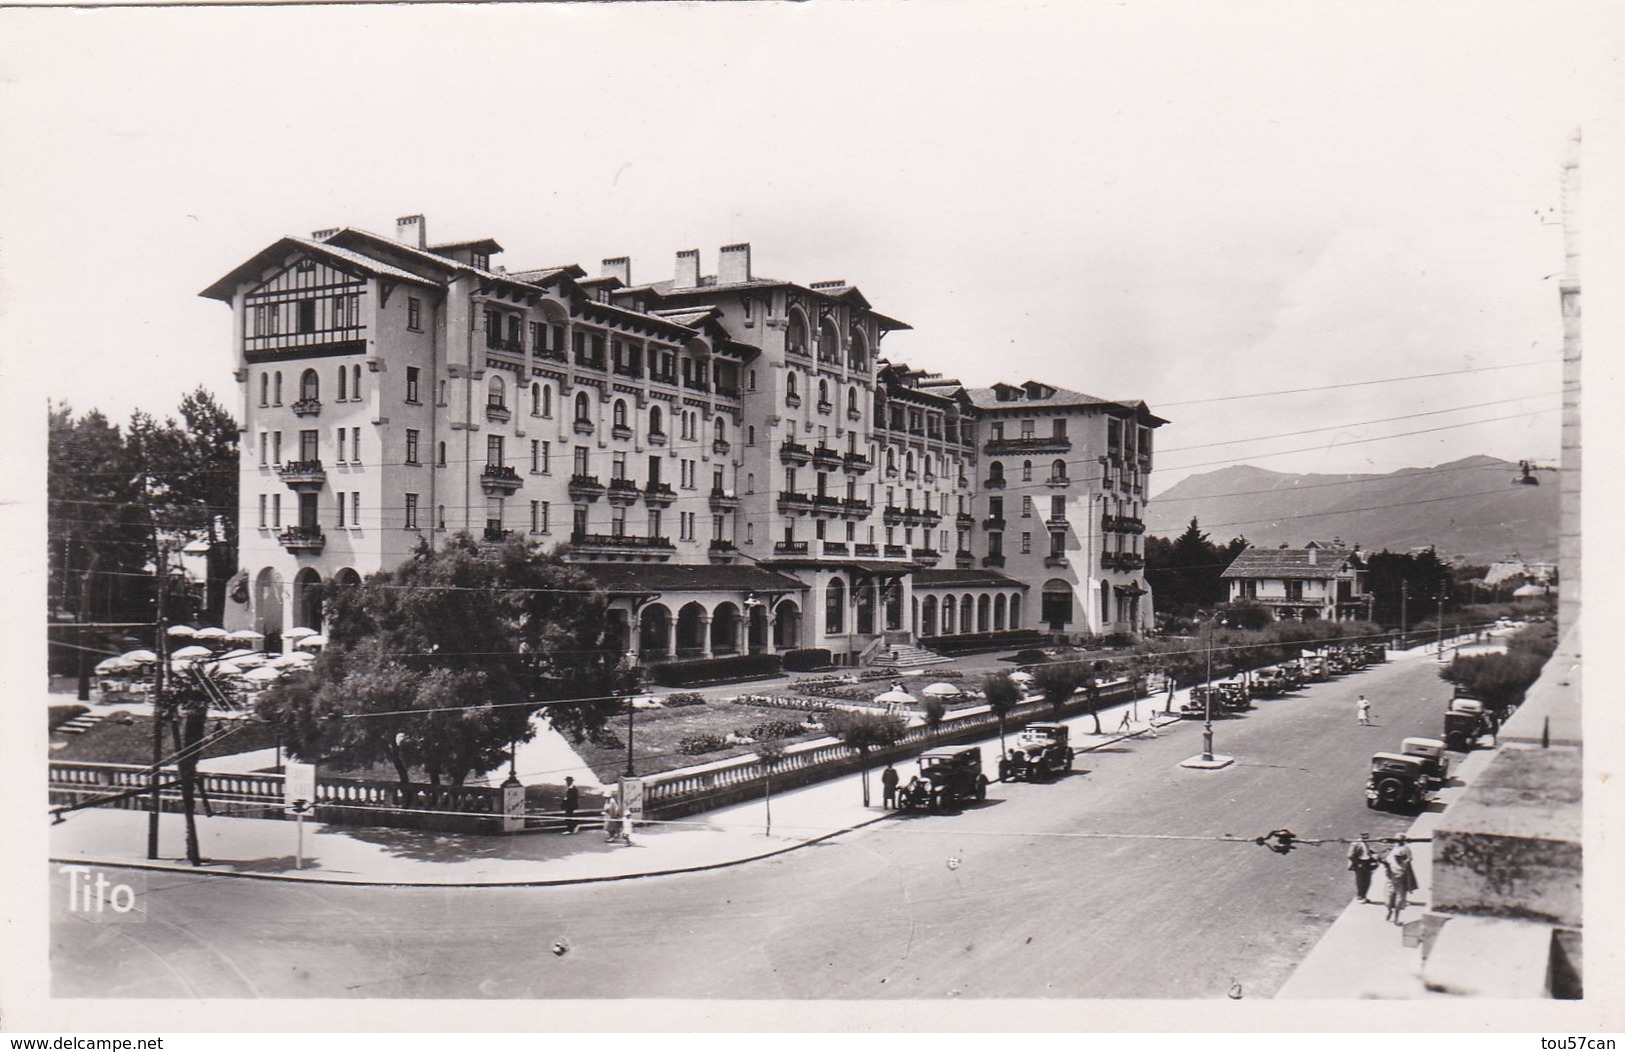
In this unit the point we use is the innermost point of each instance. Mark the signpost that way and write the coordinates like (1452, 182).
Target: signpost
(299, 796)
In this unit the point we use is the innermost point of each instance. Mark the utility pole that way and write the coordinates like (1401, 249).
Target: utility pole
(1404, 598)
(1207, 694)
(1441, 622)
(158, 705)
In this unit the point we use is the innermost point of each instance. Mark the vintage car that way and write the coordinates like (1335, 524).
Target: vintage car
(947, 777)
(1040, 751)
(1435, 764)
(1293, 671)
(1376, 653)
(1270, 682)
(1397, 783)
(1314, 668)
(1465, 722)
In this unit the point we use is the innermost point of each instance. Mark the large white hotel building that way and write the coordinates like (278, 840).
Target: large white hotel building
(729, 456)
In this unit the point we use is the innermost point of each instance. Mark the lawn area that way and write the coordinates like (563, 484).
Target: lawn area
(657, 734)
(124, 738)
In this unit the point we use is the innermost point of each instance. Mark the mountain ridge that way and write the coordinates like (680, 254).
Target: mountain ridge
(1466, 508)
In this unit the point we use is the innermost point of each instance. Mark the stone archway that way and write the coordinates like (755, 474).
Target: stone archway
(307, 599)
(758, 634)
(1015, 611)
(268, 607)
(983, 612)
(967, 613)
(725, 625)
(928, 616)
(787, 625)
(998, 612)
(691, 628)
(654, 633)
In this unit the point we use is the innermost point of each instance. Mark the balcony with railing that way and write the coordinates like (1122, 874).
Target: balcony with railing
(721, 447)
(692, 384)
(655, 438)
(1121, 524)
(727, 392)
(855, 507)
(927, 556)
(1004, 447)
(552, 354)
(622, 431)
(495, 534)
(302, 539)
(866, 551)
(307, 407)
(1058, 482)
(790, 548)
(993, 522)
(836, 548)
(1055, 561)
(1057, 522)
(994, 482)
(658, 494)
(623, 492)
(825, 457)
(896, 551)
(589, 361)
(1121, 560)
(928, 518)
(494, 342)
(496, 411)
(964, 520)
(622, 544)
(499, 478)
(663, 378)
(993, 560)
(964, 560)
(792, 501)
(723, 499)
(303, 474)
(793, 401)
(722, 551)
(583, 426)
(585, 487)
(856, 463)
(794, 453)
(854, 414)
(892, 516)
(629, 370)
(826, 504)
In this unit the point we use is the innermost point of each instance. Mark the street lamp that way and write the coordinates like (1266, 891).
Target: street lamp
(630, 710)
(1207, 698)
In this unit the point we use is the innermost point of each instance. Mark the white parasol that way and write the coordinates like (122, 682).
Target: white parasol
(299, 633)
(894, 697)
(242, 635)
(113, 666)
(182, 631)
(141, 657)
(1021, 677)
(315, 642)
(191, 653)
(217, 633)
(233, 655)
(943, 690)
(263, 675)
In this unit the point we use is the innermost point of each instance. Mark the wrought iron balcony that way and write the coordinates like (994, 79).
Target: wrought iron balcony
(722, 551)
(622, 544)
(866, 551)
(303, 539)
(993, 560)
(856, 463)
(1057, 522)
(623, 492)
(996, 482)
(794, 453)
(965, 519)
(621, 431)
(927, 556)
(495, 534)
(303, 474)
(721, 446)
(892, 516)
(790, 548)
(964, 560)
(795, 502)
(499, 478)
(307, 407)
(993, 522)
(836, 548)
(928, 518)
(727, 392)
(825, 504)
(628, 369)
(826, 457)
(696, 385)
(1055, 562)
(1001, 447)
(498, 412)
(856, 508)
(1057, 481)
(659, 494)
(585, 487)
(723, 499)
(896, 551)
(584, 426)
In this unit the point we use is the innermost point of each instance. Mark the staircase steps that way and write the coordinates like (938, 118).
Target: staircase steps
(80, 724)
(902, 656)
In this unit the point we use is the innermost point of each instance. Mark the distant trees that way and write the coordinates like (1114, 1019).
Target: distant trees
(439, 664)
(1184, 573)
(1408, 586)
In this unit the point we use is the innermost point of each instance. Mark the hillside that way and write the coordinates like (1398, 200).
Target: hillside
(1466, 508)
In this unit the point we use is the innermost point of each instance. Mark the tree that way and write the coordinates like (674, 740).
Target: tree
(1185, 573)
(932, 710)
(1001, 694)
(863, 731)
(770, 753)
(439, 664)
(1058, 682)
(204, 478)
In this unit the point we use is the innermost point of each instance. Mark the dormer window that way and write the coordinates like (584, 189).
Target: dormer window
(479, 260)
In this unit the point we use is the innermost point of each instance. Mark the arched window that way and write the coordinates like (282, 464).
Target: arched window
(309, 385)
(547, 399)
(823, 393)
(655, 426)
(750, 435)
(795, 333)
(829, 342)
(265, 388)
(908, 462)
(1105, 602)
(851, 399)
(835, 607)
(344, 377)
(995, 472)
(721, 430)
(1057, 470)
(535, 399)
(355, 382)
(278, 387)
(583, 407)
(790, 389)
(620, 412)
(891, 460)
(1015, 612)
(1026, 471)
(857, 349)
(496, 393)
(750, 482)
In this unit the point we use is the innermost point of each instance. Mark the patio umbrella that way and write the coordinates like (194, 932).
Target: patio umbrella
(247, 662)
(191, 653)
(263, 675)
(312, 642)
(141, 657)
(233, 655)
(242, 635)
(943, 690)
(286, 661)
(114, 665)
(182, 631)
(299, 633)
(894, 697)
(1021, 677)
(217, 633)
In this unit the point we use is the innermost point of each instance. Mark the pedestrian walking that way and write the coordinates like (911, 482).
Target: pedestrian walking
(1363, 861)
(1124, 725)
(572, 800)
(612, 819)
(1401, 878)
(888, 786)
(1171, 685)
(627, 820)
(1363, 707)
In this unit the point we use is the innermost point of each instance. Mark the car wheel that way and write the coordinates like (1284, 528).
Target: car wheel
(1390, 792)
(981, 788)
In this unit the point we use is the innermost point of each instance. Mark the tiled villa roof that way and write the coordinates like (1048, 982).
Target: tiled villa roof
(1290, 563)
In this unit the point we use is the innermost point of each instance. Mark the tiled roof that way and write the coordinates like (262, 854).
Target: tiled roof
(969, 578)
(677, 577)
(227, 285)
(1289, 563)
(985, 398)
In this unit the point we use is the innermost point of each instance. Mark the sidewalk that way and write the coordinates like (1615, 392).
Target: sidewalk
(266, 848)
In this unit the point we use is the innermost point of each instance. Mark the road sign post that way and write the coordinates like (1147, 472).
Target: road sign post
(299, 796)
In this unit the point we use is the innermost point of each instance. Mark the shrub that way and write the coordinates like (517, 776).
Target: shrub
(682, 698)
(768, 730)
(715, 670)
(1028, 657)
(807, 659)
(697, 744)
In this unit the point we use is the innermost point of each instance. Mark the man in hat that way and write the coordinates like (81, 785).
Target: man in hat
(1401, 878)
(1363, 861)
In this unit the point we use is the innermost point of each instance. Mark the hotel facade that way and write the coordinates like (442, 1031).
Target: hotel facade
(732, 458)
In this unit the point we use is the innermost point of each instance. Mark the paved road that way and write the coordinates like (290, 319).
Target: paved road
(1035, 906)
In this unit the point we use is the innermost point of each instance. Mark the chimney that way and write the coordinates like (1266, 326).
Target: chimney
(619, 267)
(324, 233)
(733, 264)
(688, 269)
(413, 231)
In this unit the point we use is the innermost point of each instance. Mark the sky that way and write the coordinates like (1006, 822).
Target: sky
(1189, 204)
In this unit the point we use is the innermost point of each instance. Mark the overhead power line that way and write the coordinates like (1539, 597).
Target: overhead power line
(1359, 383)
